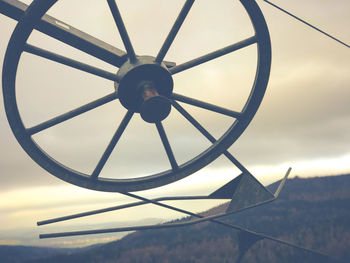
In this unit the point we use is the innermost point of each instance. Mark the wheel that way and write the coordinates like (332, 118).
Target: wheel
(143, 85)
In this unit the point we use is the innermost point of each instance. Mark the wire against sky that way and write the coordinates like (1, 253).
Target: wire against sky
(306, 23)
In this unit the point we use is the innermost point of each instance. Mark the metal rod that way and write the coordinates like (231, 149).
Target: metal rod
(133, 228)
(119, 207)
(211, 138)
(174, 30)
(201, 219)
(206, 106)
(101, 231)
(206, 134)
(67, 34)
(167, 146)
(172, 225)
(70, 62)
(169, 198)
(122, 30)
(112, 144)
(213, 55)
(73, 113)
(306, 23)
(161, 204)
(169, 225)
(283, 181)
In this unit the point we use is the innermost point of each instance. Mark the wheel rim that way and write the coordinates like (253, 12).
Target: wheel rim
(15, 48)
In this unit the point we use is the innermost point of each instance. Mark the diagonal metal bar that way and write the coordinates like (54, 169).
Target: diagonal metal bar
(70, 62)
(172, 225)
(167, 146)
(168, 225)
(73, 113)
(119, 207)
(119, 132)
(206, 134)
(281, 185)
(156, 202)
(122, 30)
(206, 106)
(214, 220)
(214, 195)
(174, 30)
(213, 55)
(227, 154)
(67, 34)
(169, 198)
(306, 23)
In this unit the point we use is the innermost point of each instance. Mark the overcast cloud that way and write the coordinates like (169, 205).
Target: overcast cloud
(305, 114)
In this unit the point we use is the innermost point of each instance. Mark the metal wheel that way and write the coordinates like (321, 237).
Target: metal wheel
(143, 84)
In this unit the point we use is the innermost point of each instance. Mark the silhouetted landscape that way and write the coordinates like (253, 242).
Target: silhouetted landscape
(312, 213)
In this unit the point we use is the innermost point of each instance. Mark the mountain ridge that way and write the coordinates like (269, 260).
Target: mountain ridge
(312, 213)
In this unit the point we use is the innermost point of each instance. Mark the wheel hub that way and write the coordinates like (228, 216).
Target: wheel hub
(145, 87)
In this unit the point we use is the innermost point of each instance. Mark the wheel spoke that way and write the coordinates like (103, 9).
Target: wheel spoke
(174, 30)
(213, 55)
(207, 106)
(71, 114)
(67, 34)
(167, 146)
(119, 132)
(122, 30)
(206, 134)
(70, 62)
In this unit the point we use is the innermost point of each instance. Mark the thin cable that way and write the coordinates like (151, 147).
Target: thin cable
(306, 23)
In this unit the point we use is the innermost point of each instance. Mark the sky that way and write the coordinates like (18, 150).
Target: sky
(303, 121)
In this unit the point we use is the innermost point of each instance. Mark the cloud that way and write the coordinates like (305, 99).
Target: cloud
(304, 115)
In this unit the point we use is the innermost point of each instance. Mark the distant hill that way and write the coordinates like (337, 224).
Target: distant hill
(16, 254)
(313, 212)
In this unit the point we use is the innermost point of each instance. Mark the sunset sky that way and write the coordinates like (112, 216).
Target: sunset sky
(303, 122)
